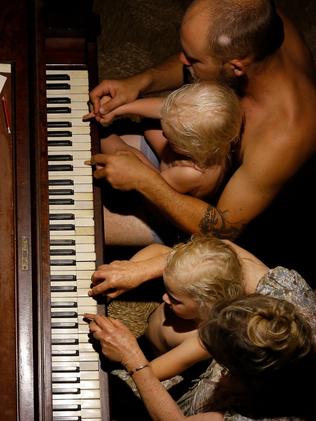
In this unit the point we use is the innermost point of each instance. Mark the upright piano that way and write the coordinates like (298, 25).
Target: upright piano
(51, 225)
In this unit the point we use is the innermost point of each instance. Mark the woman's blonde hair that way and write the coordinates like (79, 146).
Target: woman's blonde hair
(201, 120)
(207, 269)
(256, 334)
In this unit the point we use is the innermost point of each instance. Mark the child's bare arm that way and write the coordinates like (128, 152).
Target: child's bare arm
(144, 107)
(178, 359)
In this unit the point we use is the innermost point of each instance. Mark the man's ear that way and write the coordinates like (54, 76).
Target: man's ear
(239, 66)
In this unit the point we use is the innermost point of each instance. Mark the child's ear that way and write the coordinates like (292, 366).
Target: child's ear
(239, 66)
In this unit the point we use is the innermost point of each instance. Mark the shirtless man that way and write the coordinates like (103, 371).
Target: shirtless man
(276, 83)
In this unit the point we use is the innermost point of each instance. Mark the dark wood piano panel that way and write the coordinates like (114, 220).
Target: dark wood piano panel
(19, 195)
(25, 362)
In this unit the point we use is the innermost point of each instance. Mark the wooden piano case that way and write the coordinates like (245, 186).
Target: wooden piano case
(32, 34)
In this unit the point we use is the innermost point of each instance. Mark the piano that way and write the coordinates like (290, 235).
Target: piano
(51, 214)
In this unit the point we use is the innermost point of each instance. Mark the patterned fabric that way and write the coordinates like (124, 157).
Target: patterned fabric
(280, 283)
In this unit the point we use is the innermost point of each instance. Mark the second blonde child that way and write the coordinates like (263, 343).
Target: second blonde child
(198, 274)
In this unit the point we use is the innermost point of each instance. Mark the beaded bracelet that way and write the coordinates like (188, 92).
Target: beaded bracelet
(134, 370)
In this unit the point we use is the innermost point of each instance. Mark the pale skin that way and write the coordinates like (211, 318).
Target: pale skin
(172, 331)
(279, 135)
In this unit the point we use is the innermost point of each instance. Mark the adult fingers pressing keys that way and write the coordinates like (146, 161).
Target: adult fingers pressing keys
(120, 92)
(116, 278)
(123, 169)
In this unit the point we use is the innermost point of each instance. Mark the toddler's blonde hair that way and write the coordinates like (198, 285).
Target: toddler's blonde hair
(206, 269)
(201, 120)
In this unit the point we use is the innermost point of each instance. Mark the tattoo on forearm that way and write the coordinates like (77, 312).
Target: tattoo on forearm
(214, 222)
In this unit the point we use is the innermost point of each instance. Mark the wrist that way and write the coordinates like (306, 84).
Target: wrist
(144, 80)
(134, 361)
(138, 368)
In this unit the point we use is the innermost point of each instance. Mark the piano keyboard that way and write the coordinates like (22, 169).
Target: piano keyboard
(75, 364)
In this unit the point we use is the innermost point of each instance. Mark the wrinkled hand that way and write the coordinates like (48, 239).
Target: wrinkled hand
(110, 94)
(116, 278)
(123, 169)
(116, 340)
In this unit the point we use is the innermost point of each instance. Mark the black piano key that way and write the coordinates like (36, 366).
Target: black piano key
(61, 182)
(57, 86)
(62, 369)
(58, 110)
(63, 391)
(62, 242)
(64, 325)
(65, 380)
(58, 76)
(66, 157)
(62, 252)
(66, 341)
(62, 227)
(61, 192)
(59, 133)
(61, 262)
(63, 288)
(51, 124)
(64, 304)
(62, 278)
(59, 100)
(64, 167)
(63, 314)
(59, 143)
(65, 353)
(61, 201)
(61, 216)
(67, 407)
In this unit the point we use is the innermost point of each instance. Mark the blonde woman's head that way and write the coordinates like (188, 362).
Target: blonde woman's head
(206, 269)
(256, 334)
(201, 120)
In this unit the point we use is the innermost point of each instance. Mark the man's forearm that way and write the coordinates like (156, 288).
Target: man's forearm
(189, 213)
(168, 75)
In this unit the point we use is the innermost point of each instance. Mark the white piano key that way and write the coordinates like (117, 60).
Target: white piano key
(74, 74)
(63, 124)
(83, 213)
(76, 163)
(78, 222)
(80, 365)
(79, 89)
(80, 274)
(89, 403)
(73, 96)
(77, 108)
(72, 112)
(79, 257)
(74, 138)
(79, 248)
(84, 394)
(86, 196)
(78, 146)
(86, 204)
(84, 413)
(75, 154)
(79, 179)
(85, 170)
(76, 120)
(78, 188)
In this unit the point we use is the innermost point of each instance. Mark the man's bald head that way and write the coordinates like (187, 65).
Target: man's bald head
(238, 28)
